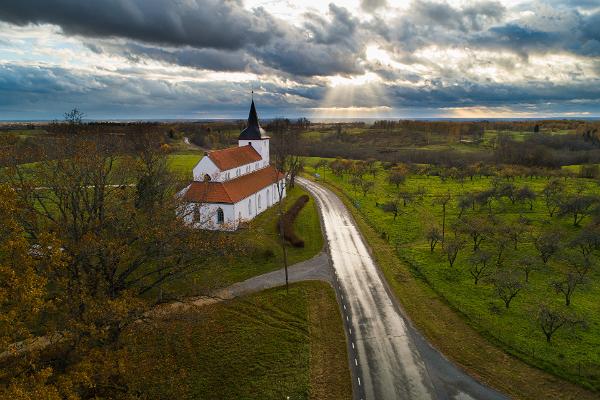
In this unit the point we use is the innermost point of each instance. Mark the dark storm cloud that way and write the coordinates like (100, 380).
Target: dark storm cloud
(210, 34)
(210, 59)
(200, 23)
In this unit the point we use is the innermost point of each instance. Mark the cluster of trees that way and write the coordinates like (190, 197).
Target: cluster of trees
(495, 245)
(90, 233)
(497, 251)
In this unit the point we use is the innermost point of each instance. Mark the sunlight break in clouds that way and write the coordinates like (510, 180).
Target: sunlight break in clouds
(398, 58)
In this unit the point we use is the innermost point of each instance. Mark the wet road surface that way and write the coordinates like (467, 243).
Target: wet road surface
(389, 359)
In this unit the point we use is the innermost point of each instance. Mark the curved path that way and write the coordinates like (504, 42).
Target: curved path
(389, 358)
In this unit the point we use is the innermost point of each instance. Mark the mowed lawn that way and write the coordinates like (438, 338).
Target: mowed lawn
(572, 354)
(269, 345)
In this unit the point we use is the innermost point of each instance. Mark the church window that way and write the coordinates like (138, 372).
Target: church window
(259, 201)
(220, 216)
(207, 177)
(196, 214)
(250, 207)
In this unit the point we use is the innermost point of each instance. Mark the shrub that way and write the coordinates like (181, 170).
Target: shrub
(288, 222)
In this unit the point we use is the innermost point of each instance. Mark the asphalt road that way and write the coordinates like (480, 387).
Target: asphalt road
(389, 358)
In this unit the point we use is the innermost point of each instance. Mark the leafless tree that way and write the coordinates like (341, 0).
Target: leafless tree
(433, 236)
(479, 265)
(507, 286)
(551, 319)
(567, 285)
(452, 248)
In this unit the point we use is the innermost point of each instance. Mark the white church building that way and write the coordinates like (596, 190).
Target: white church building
(234, 185)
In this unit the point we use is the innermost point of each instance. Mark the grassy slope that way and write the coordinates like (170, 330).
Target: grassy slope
(264, 346)
(512, 330)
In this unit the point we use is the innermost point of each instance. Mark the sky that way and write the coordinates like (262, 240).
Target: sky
(200, 59)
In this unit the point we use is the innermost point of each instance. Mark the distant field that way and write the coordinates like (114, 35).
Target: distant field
(572, 354)
(269, 345)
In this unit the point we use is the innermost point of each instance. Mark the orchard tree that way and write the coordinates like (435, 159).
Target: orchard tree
(567, 285)
(526, 195)
(528, 264)
(550, 319)
(553, 195)
(577, 206)
(507, 286)
(479, 265)
(397, 177)
(547, 243)
(452, 247)
(434, 236)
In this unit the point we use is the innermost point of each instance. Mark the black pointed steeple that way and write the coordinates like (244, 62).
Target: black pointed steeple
(253, 131)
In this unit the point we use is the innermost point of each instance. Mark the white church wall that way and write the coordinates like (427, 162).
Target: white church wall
(207, 216)
(206, 167)
(253, 205)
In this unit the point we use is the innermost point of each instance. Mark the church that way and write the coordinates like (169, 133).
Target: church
(234, 185)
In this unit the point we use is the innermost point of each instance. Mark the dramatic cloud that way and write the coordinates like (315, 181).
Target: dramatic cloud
(199, 58)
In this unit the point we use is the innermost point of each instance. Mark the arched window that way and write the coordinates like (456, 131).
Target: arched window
(267, 197)
(220, 216)
(250, 207)
(259, 201)
(207, 177)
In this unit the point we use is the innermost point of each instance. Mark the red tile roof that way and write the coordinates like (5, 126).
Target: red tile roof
(232, 191)
(234, 157)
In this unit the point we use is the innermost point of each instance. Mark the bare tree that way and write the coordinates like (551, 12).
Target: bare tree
(551, 319)
(578, 206)
(547, 243)
(567, 285)
(287, 163)
(433, 236)
(452, 248)
(528, 264)
(507, 286)
(479, 265)
(553, 193)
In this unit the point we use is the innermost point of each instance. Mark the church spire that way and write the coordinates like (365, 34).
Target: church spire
(253, 131)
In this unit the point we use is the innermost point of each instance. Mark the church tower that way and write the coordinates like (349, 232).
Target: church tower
(255, 136)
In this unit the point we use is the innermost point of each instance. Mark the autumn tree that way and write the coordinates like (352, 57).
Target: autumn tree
(103, 237)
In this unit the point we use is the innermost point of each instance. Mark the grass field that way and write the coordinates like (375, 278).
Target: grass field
(571, 354)
(264, 346)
